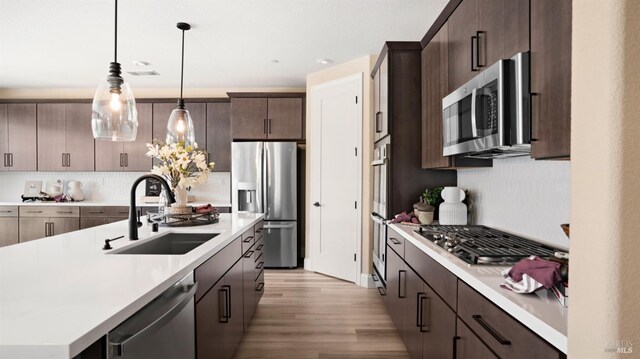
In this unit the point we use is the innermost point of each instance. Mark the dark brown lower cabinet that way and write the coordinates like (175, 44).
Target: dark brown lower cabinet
(219, 320)
(248, 282)
(426, 324)
(395, 298)
(426, 319)
(468, 346)
(224, 310)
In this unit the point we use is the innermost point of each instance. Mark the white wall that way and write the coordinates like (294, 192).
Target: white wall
(113, 187)
(605, 126)
(522, 196)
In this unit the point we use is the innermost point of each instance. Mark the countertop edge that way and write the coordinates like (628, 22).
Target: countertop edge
(537, 325)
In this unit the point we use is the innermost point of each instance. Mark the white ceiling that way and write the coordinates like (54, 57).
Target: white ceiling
(69, 43)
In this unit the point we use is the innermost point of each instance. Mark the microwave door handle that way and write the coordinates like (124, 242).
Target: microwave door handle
(474, 128)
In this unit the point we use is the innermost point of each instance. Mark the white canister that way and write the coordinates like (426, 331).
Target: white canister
(75, 191)
(452, 210)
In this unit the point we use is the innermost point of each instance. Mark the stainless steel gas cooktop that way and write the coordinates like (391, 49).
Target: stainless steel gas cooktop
(483, 245)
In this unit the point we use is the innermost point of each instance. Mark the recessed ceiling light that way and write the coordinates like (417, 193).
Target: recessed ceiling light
(140, 63)
(324, 61)
(275, 61)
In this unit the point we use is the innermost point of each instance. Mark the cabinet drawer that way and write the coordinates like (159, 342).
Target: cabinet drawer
(259, 264)
(258, 228)
(503, 334)
(468, 345)
(437, 276)
(104, 211)
(395, 241)
(50, 211)
(8, 211)
(209, 272)
(259, 286)
(247, 240)
(259, 248)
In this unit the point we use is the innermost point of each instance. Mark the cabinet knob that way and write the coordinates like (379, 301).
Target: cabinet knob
(317, 204)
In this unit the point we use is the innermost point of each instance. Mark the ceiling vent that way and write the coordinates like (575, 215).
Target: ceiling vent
(143, 73)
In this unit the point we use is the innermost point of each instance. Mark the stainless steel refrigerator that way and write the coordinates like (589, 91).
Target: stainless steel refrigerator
(263, 178)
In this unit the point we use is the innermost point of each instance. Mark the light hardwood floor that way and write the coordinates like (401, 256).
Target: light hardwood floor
(307, 315)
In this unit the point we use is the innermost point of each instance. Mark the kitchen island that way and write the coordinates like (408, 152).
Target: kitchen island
(60, 294)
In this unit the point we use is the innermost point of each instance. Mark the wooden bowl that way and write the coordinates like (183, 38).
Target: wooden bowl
(565, 228)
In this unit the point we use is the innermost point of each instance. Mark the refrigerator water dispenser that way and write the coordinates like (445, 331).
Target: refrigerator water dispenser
(247, 201)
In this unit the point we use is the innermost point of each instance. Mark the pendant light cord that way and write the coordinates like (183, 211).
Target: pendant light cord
(182, 67)
(115, 36)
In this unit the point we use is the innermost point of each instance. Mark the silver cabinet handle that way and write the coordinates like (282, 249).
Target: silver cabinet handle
(126, 160)
(10, 159)
(63, 160)
(65, 212)
(5, 160)
(33, 211)
(53, 229)
(121, 161)
(118, 344)
(68, 160)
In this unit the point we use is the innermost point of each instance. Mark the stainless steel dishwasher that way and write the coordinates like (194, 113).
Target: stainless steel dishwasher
(162, 329)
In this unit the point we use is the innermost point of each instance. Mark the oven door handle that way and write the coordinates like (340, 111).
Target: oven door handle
(474, 122)
(377, 219)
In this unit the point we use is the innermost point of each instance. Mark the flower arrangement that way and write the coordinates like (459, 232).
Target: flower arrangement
(182, 166)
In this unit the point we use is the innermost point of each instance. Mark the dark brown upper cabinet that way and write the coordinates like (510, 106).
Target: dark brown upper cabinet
(381, 100)
(462, 31)
(435, 64)
(128, 156)
(219, 135)
(550, 79)
(481, 32)
(65, 139)
(261, 116)
(18, 137)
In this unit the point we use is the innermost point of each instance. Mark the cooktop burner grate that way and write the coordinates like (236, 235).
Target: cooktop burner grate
(483, 245)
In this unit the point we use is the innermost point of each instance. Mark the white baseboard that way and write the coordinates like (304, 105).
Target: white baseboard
(366, 280)
(308, 264)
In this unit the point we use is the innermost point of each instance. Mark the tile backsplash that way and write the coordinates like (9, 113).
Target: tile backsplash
(110, 186)
(522, 196)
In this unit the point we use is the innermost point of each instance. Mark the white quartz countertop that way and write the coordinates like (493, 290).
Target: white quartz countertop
(540, 311)
(102, 203)
(60, 294)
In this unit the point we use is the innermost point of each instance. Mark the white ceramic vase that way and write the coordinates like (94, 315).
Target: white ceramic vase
(452, 210)
(180, 195)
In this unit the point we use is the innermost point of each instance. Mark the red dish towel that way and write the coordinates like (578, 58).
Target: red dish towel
(531, 274)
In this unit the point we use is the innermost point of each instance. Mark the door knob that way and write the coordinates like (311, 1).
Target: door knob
(317, 204)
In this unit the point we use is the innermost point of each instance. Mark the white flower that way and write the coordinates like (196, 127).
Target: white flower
(182, 167)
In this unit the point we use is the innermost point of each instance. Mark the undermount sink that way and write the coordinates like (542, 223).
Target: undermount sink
(170, 243)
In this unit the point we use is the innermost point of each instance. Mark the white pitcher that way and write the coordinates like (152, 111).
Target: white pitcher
(452, 210)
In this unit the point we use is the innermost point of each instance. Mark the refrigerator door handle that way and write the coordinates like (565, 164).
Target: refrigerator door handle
(279, 226)
(266, 181)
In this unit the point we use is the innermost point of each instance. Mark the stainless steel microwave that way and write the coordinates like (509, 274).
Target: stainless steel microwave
(489, 116)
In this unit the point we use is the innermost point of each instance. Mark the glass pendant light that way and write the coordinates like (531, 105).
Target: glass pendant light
(113, 114)
(180, 125)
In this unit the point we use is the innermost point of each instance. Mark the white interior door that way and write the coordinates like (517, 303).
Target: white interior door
(335, 178)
